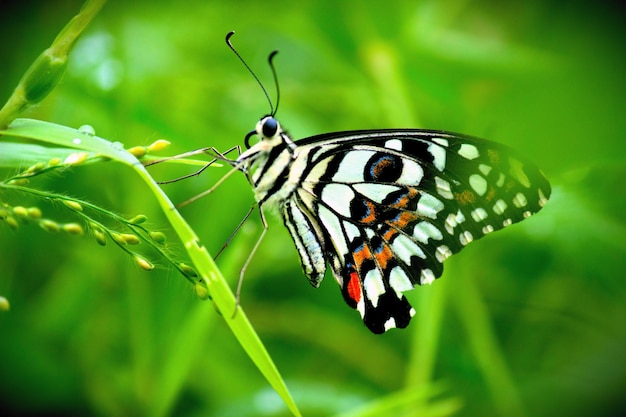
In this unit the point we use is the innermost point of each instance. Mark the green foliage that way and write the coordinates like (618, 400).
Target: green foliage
(526, 322)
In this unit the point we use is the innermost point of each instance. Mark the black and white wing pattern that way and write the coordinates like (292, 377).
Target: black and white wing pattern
(385, 208)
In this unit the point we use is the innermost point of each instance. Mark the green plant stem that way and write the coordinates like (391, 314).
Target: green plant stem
(48, 68)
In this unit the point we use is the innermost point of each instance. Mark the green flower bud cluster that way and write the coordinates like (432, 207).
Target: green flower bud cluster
(141, 151)
(138, 234)
(127, 233)
(14, 216)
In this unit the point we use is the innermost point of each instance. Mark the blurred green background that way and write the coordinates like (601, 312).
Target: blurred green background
(530, 321)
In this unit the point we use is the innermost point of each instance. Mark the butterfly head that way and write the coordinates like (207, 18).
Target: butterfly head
(267, 129)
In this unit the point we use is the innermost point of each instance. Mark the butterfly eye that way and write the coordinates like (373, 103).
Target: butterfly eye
(269, 127)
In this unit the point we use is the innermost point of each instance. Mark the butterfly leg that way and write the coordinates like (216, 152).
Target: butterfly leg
(211, 151)
(232, 235)
(219, 182)
(250, 256)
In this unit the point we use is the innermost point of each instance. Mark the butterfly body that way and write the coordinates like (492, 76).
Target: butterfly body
(384, 208)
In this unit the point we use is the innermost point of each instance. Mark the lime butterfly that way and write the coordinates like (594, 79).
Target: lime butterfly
(384, 208)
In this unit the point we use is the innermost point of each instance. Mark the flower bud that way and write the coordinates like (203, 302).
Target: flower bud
(158, 145)
(35, 168)
(138, 151)
(4, 304)
(49, 226)
(187, 270)
(201, 291)
(20, 212)
(118, 238)
(12, 222)
(73, 229)
(130, 238)
(100, 237)
(158, 237)
(143, 264)
(42, 76)
(138, 219)
(34, 213)
(75, 158)
(74, 205)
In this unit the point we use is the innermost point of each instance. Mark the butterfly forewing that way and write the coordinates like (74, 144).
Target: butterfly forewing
(385, 208)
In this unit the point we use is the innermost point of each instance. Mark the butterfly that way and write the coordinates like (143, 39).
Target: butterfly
(383, 209)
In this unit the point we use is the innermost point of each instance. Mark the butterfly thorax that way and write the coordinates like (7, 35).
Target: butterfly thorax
(268, 163)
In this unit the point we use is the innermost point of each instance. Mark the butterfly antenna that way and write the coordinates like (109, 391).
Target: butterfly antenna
(271, 61)
(230, 45)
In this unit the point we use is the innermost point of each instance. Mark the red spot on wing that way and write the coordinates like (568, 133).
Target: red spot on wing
(354, 287)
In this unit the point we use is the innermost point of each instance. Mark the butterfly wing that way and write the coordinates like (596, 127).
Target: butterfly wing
(386, 208)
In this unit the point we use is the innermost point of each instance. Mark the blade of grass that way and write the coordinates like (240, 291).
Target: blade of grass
(483, 342)
(217, 286)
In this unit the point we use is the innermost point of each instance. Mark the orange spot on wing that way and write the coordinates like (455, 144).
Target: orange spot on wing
(465, 197)
(380, 167)
(494, 156)
(490, 194)
(404, 201)
(384, 256)
(389, 234)
(354, 287)
(371, 217)
(361, 256)
(404, 219)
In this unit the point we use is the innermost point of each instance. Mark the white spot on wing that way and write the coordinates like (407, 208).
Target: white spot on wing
(375, 192)
(424, 230)
(468, 151)
(442, 253)
(460, 217)
(390, 323)
(451, 223)
(429, 206)
(441, 141)
(478, 184)
(443, 188)
(542, 199)
(439, 156)
(517, 172)
(403, 247)
(352, 231)
(351, 167)
(499, 207)
(394, 144)
(519, 200)
(465, 238)
(373, 286)
(333, 227)
(487, 229)
(500, 181)
(412, 173)
(338, 198)
(399, 281)
(427, 276)
(485, 169)
(479, 214)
